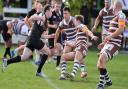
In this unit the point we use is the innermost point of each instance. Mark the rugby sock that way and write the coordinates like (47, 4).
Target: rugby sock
(107, 78)
(9, 53)
(102, 76)
(63, 68)
(43, 60)
(58, 61)
(14, 60)
(6, 52)
(75, 69)
(82, 68)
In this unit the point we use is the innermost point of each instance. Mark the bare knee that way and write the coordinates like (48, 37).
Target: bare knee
(24, 57)
(102, 61)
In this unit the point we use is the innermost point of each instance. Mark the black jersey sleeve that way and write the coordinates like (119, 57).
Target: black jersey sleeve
(30, 13)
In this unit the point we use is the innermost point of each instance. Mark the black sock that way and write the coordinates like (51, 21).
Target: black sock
(6, 52)
(102, 76)
(14, 60)
(58, 61)
(43, 60)
(9, 53)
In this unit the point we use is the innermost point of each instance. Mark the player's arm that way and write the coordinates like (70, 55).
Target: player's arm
(46, 36)
(54, 26)
(120, 29)
(89, 33)
(35, 17)
(9, 25)
(58, 31)
(97, 21)
(29, 24)
(30, 13)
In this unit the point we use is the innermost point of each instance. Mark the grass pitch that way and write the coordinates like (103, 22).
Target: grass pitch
(22, 75)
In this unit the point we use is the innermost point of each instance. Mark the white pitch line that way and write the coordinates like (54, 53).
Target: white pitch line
(47, 79)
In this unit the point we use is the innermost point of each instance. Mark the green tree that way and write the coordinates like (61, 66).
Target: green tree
(76, 5)
(1, 6)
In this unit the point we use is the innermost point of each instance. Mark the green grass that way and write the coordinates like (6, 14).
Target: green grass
(22, 75)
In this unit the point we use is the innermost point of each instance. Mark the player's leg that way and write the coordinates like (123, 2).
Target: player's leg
(58, 53)
(51, 47)
(26, 54)
(81, 51)
(37, 57)
(64, 62)
(15, 52)
(83, 68)
(8, 44)
(43, 57)
(108, 51)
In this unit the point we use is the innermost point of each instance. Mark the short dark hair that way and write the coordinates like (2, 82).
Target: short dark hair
(66, 8)
(80, 18)
(58, 1)
(47, 7)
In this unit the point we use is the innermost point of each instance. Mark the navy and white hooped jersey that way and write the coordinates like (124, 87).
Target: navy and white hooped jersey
(81, 37)
(69, 28)
(17, 26)
(106, 17)
(119, 19)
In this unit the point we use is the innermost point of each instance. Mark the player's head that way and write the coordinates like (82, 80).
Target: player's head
(117, 6)
(107, 3)
(66, 12)
(57, 5)
(39, 5)
(48, 10)
(79, 19)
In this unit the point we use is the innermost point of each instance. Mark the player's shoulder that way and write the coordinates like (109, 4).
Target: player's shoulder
(40, 13)
(81, 26)
(101, 11)
(121, 15)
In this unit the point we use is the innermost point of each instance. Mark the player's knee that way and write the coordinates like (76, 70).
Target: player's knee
(24, 57)
(102, 61)
(64, 57)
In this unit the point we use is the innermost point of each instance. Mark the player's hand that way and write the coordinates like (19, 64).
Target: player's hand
(101, 45)
(107, 38)
(95, 38)
(55, 45)
(55, 26)
(52, 35)
(70, 44)
(94, 29)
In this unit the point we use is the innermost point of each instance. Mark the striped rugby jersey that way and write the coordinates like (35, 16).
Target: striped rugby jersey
(69, 28)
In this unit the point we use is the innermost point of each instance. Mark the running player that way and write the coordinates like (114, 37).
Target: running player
(112, 44)
(34, 41)
(37, 8)
(68, 26)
